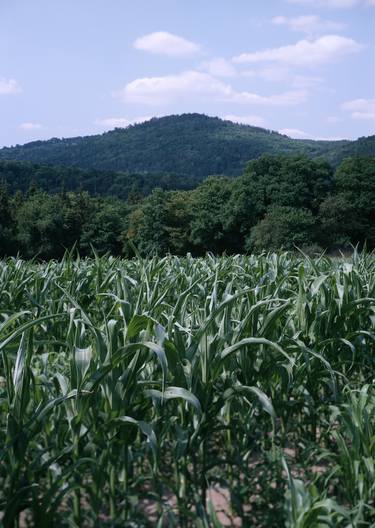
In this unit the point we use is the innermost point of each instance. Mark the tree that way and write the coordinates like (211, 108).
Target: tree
(283, 227)
(103, 227)
(150, 233)
(40, 226)
(348, 215)
(75, 210)
(180, 207)
(239, 213)
(6, 223)
(337, 217)
(292, 181)
(208, 231)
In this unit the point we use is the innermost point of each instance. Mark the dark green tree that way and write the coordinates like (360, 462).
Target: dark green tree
(103, 227)
(292, 181)
(40, 226)
(283, 227)
(7, 231)
(179, 217)
(149, 232)
(239, 213)
(208, 231)
(348, 215)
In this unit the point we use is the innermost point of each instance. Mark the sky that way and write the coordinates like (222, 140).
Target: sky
(79, 67)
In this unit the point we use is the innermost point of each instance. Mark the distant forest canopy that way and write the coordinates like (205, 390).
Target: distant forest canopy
(20, 175)
(278, 202)
(192, 145)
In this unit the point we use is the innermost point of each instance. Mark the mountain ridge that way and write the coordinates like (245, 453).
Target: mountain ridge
(192, 144)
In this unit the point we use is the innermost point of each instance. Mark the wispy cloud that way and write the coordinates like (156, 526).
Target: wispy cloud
(192, 85)
(164, 43)
(9, 87)
(305, 52)
(252, 120)
(309, 24)
(274, 73)
(282, 74)
(219, 67)
(306, 81)
(121, 122)
(333, 119)
(333, 4)
(289, 98)
(31, 126)
(360, 108)
(300, 134)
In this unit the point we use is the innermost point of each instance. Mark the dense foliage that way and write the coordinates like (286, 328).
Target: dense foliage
(140, 392)
(280, 201)
(190, 144)
(19, 176)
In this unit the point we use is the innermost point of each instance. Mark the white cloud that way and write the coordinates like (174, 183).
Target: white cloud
(294, 133)
(190, 85)
(333, 4)
(121, 122)
(309, 24)
(300, 134)
(161, 90)
(306, 81)
(333, 119)
(164, 43)
(273, 73)
(360, 108)
(252, 120)
(305, 52)
(340, 4)
(9, 87)
(219, 68)
(289, 98)
(279, 73)
(31, 126)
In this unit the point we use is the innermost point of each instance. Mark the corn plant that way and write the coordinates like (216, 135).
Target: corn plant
(133, 392)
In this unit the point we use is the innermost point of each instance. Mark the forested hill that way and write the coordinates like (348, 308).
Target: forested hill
(189, 144)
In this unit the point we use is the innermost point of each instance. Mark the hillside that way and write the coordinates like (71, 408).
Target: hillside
(20, 175)
(190, 144)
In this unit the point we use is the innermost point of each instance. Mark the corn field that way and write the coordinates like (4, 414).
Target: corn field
(134, 393)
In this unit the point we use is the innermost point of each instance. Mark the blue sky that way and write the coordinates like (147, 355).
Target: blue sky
(76, 67)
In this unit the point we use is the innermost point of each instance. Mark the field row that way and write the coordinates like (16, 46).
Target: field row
(157, 392)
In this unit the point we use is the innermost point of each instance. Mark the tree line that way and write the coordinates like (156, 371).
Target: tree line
(279, 202)
(20, 176)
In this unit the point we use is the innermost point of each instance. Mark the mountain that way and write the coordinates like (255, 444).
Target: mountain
(190, 144)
